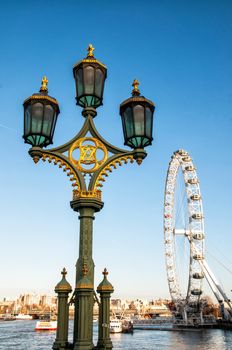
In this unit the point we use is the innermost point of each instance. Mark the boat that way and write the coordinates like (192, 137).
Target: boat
(127, 326)
(43, 325)
(23, 317)
(159, 323)
(46, 324)
(115, 325)
(7, 317)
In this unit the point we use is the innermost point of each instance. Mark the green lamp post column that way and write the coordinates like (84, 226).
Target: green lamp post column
(63, 289)
(83, 326)
(105, 288)
(83, 313)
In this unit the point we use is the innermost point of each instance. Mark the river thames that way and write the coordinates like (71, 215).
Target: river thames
(20, 335)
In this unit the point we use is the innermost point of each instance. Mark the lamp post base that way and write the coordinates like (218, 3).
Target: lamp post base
(106, 345)
(61, 345)
(83, 345)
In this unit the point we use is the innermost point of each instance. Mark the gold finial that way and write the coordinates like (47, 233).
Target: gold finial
(135, 84)
(44, 84)
(84, 270)
(64, 272)
(105, 272)
(90, 50)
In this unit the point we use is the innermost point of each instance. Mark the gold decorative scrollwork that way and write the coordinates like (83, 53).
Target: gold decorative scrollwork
(88, 161)
(65, 166)
(108, 169)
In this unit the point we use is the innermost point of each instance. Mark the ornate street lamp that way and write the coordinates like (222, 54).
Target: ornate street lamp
(88, 153)
(40, 115)
(90, 76)
(137, 119)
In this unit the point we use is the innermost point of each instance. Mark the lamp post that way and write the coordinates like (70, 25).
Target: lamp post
(88, 154)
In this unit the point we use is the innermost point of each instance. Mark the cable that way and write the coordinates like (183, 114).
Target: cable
(226, 268)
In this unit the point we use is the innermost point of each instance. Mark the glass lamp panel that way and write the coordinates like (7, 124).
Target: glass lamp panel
(138, 141)
(146, 141)
(99, 82)
(128, 119)
(27, 120)
(37, 118)
(89, 80)
(54, 123)
(79, 82)
(148, 122)
(30, 140)
(43, 141)
(48, 120)
(139, 120)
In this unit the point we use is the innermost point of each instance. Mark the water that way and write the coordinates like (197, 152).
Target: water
(20, 335)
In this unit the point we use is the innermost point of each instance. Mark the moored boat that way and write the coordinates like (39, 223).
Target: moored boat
(23, 317)
(115, 326)
(46, 325)
(7, 317)
(127, 326)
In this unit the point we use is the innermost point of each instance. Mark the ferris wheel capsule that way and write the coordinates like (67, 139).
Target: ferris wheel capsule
(198, 275)
(198, 236)
(195, 197)
(193, 181)
(196, 292)
(197, 216)
(187, 159)
(189, 168)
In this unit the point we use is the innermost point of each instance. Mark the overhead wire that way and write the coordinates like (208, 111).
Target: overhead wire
(214, 257)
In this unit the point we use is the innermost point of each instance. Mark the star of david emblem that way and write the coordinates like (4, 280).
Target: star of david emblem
(88, 154)
(92, 154)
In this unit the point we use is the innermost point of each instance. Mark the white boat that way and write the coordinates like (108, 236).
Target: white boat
(23, 317)
(7, 317)
(46, 325)
(115, 325)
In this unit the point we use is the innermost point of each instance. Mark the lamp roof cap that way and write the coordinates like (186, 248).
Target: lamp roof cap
(136, 97)
(43, 94)
(90, 58)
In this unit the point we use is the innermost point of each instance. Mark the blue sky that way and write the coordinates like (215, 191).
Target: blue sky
(181, 52)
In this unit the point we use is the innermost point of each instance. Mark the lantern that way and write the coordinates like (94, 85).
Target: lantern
(40, 116)
(90, 76)
(137, 119)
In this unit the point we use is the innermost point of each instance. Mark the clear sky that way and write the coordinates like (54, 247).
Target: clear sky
(181, 52)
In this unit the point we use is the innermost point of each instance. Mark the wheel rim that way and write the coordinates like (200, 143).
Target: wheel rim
(194, 233)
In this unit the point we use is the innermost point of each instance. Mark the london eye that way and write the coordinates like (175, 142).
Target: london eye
(184, 234)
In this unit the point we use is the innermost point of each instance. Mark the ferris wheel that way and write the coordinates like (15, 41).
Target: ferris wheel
(183, 221)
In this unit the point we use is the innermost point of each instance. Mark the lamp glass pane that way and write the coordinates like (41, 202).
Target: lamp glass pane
(37, 118)
(54, 123)
(139, 120)
(99, 82)
(48, 120)
(89, 80)
(148, 122)
(128, 119)
(30, 139)
(79, 82)
(27, 120)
